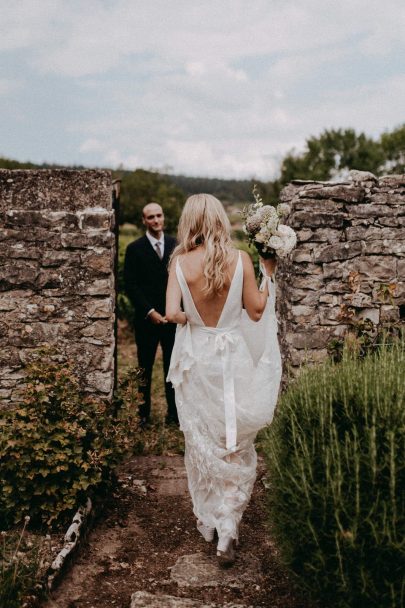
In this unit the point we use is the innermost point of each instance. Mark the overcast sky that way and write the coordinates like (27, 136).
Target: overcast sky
(213, 88)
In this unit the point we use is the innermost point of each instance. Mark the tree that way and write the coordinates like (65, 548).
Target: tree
(393, 145)
(331, 153)
(140, 187)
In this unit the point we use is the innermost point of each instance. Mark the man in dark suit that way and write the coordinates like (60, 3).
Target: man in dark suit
(145, 274)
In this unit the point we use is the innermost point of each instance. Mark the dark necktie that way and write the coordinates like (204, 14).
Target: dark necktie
(158, 250)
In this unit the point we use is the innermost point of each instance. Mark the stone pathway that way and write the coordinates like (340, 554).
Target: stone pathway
(146, 553)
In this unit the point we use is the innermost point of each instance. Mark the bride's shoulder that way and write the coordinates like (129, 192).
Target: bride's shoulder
(246, 259)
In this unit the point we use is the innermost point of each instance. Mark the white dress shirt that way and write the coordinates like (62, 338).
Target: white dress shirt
(152, 240)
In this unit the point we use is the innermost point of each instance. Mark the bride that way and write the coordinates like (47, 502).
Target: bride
(225, 365)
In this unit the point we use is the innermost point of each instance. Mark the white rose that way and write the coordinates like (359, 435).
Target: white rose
(275, 242)
(285, 231)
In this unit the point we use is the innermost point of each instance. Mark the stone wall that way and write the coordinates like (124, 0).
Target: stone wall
(349, 263)
(57, 251)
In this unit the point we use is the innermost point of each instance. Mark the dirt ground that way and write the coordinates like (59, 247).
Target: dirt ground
(147, 525)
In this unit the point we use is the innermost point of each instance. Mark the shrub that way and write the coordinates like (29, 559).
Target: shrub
(336, 466)
(58, 445)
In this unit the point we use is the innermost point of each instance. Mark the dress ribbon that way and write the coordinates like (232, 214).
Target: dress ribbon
(225, 341)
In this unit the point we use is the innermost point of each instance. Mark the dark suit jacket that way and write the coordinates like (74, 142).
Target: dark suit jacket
(145, 275)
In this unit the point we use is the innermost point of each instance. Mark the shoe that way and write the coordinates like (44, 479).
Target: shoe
(206, 532)
(170, 420)
(144, 423)
(226, 557)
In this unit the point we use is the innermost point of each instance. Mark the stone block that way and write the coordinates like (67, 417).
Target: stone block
(9, 357)
(330, 316)
(375, 267)
(301, 219)
(337, 251)
(331, 299)
(333, 270)
(100, 330)
(100, 308)
(305, 357)
(313, 339)
(401, 269)
(304, 235)
(328, 235)
(87, 240)
(392, 181)
(336, 192)
(373, 314)
(389, 314)
(361, 233)
(52, 258)
(18, 251)
(98, 219)
(314, 282)
(100, 382)
(394, 222)
(302, 253)
(100, 260)
(303, 314)
(371, 210)
(23, 274)
(357, 300)
(308, 268)
(362, 176)
(322, 205)
(385, 247)
(332, 287)
(97, 287)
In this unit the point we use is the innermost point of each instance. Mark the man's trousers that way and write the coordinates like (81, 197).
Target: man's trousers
(147, 338)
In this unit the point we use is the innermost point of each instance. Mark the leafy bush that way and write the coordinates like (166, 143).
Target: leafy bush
(58, 445)
(336, 465)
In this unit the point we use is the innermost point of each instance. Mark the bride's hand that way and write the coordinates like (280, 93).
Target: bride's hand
(269, 265)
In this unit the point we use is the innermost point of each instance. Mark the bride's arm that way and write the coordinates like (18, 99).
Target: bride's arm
(254, 300)
(174, 314)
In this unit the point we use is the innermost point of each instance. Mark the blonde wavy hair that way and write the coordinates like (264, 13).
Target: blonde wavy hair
(204, 222)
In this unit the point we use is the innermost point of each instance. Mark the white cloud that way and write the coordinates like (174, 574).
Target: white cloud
(9, 85)
(217, 88)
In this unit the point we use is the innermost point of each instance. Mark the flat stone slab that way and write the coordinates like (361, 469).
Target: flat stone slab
(200, 570)
(143, 599)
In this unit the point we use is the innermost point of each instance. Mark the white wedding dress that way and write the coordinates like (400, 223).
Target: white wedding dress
(226, 380)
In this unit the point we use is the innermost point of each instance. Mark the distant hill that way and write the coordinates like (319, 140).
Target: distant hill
(227, 190)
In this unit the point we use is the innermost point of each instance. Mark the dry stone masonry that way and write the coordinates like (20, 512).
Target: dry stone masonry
(57, 252)
(349, 263)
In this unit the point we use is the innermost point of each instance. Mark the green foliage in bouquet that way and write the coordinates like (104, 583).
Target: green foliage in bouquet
(58, 445)
(335, 453)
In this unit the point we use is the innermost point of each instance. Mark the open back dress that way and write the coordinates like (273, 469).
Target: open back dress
(226, 381)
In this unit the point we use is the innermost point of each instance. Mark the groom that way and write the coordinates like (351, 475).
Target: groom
(145, 275)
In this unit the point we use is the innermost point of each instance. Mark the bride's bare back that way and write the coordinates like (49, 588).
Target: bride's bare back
(208, 307)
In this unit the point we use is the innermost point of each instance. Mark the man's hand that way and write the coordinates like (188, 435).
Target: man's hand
(156, 318)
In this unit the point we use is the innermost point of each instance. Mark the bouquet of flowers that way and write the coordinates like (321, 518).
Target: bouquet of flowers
(262, 224)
